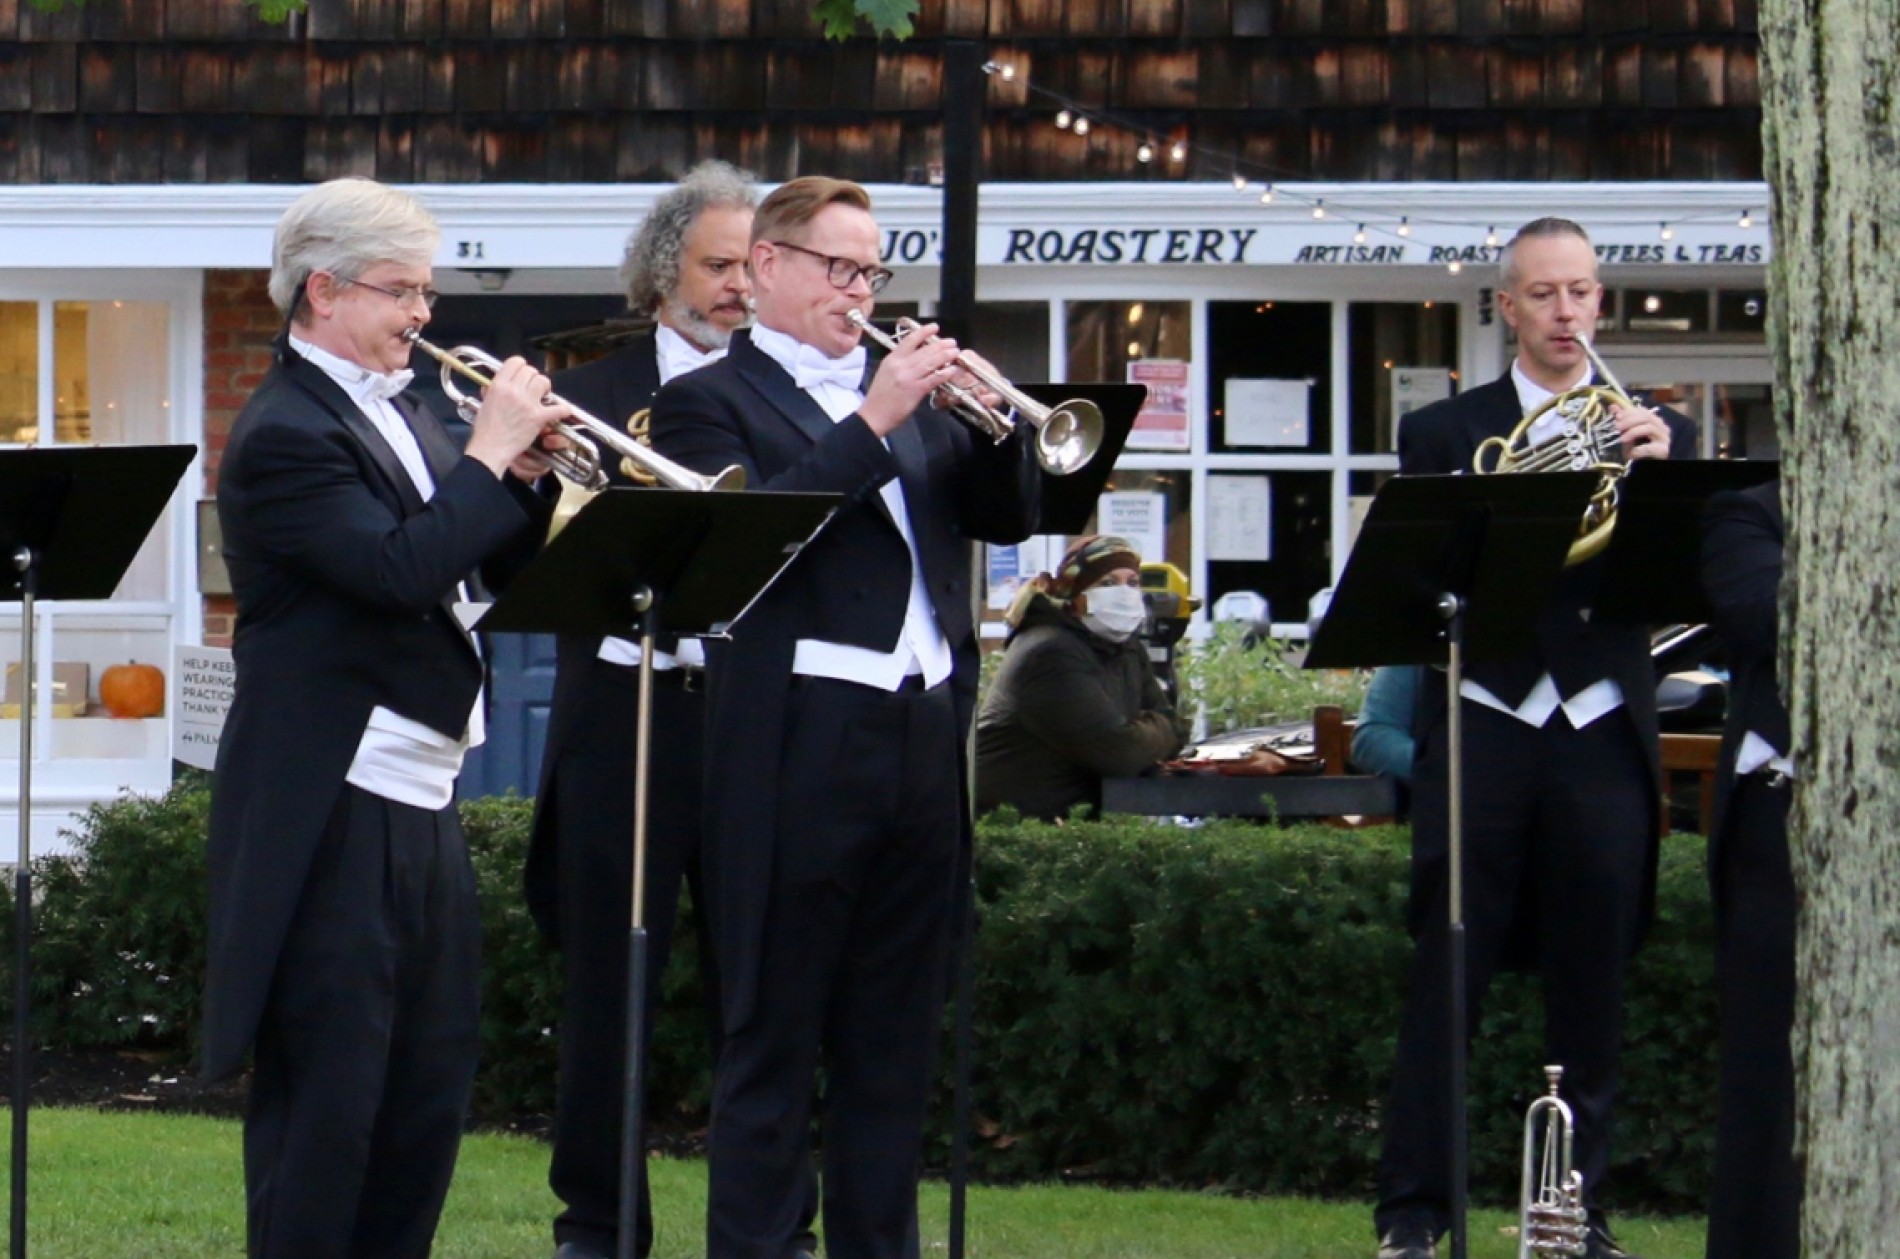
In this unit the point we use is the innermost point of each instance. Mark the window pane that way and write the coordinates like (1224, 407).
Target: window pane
(1741, 311)
(1388, 342)
(19, 372)
(1173, 508)
(1014, 337)
(1300, 509)
(1105, 337)
(1666, 310)
(1745, 422)
(1268, 357)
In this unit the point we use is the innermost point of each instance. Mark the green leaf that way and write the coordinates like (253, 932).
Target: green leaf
(887, 17)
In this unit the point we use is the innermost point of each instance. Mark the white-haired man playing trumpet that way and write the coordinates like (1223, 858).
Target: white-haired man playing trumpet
(344, 938)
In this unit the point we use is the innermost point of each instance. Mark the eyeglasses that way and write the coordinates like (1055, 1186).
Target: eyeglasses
(842, 272)
(406, 296)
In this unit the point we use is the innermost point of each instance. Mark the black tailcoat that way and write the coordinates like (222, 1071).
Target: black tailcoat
(345, 581)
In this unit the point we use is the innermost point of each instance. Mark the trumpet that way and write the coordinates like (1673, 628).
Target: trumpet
(1551, 1219)
(579, 460)
(1067, 434)
(1587, 440)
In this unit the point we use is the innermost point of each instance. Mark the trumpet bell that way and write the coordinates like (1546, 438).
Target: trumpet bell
(1068, 435)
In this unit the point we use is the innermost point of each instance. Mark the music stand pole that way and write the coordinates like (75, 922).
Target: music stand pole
(633, 1102)
(1452, 609)
(24, 562)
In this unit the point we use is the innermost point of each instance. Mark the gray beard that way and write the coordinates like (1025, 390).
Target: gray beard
(694, 325)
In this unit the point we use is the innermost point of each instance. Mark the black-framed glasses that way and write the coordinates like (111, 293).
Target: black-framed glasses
(842, 271)
(406, 296)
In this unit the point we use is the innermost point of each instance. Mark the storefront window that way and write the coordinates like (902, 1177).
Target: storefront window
(1666, 310)
(1298, 562)
(111, 386)
(1270, 384)
(1403, 355)
(1745, 422)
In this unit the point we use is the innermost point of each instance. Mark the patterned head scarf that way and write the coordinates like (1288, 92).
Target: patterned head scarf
(1086, 562)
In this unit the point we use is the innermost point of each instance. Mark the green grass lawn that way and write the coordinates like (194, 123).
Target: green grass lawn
(116, 1186)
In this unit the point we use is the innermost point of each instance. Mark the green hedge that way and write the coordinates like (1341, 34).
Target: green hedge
(1208, 1006)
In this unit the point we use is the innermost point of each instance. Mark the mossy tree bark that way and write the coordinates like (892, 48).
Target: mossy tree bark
(1831, 97)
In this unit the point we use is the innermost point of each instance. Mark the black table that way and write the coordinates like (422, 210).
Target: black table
(1271, 796)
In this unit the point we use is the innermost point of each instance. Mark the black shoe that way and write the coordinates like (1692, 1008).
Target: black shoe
(575, 1250)
(1408, 1241)
(1598, 1244)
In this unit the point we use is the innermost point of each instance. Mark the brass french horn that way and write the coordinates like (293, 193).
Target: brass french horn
(1586, 441)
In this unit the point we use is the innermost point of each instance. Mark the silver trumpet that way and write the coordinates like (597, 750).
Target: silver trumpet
(579, 460)
(1067, 434)
(1552, 1220)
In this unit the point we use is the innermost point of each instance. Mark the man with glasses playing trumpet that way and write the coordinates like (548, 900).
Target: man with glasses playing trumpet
(685, 268)
(344, 937)
(1563, 814)
(836, 826)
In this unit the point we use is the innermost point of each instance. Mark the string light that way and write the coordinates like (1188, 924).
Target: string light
(1319, 208)
(1178, 153)
(1144, 152)
(1064, 118)
(1491, 237)
(1454, 266)
(1006, 69)
(1746, 220)
(1359, 237)
(1668, 232)
(1240, 182)
(1266, 195)
(1405, 225)
(1081, 126)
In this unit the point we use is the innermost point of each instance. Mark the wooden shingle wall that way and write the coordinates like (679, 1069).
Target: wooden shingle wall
(587, 91)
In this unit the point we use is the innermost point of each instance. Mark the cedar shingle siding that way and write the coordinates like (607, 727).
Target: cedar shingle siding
(588, 91)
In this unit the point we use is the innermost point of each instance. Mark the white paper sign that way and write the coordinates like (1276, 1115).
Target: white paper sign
(1414, 387)
(1269, 412)
(201, 696)
(1140, 517)
(1239, 511)
(1012, 566)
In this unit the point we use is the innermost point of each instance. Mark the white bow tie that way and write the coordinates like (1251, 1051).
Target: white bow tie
(811, 369)
(386, 385)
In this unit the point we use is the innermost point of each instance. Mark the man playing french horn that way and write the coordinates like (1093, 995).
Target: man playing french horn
(1561, 821)
(684, 267)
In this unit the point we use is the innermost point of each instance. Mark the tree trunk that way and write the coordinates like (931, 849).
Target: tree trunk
(1831, 97)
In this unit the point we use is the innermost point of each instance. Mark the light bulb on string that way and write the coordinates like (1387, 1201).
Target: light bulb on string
(1359, 237)
(1144, 152)
(1491, 237)
(1266, 195)
(1240, 182)
(1405, 225)
(1319, 208)
(1064, 118)
(1454, 266)
(1177, 152)
(1081, 126)
(1747, 220)
(1668, 232)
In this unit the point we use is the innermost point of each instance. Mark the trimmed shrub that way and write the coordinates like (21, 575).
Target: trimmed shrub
(1211, 1006)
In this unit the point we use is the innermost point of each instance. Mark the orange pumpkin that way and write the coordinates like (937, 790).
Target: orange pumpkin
(133, 690)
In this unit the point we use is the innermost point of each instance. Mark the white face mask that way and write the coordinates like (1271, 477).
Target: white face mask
(1115, 612)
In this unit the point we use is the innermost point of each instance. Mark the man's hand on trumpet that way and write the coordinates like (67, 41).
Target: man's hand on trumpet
(514, 421)
(1643, 433)
(916, 368)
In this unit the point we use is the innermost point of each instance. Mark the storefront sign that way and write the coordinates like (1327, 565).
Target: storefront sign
(1163, 421)
(1269, 413)
(201, 696)
(1139, 516)
(1239, 518)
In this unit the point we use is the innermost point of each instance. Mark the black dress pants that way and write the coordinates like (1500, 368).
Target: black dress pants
(594, 782)
(1756, 1206)
(367, 1048)
(851, 978)
(1564, 818)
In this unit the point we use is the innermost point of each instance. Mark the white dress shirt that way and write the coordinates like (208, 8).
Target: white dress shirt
(676, 356)
(921, 646)
(1600, 697)
(398, 759)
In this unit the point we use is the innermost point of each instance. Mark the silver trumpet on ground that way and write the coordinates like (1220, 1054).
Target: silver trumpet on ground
(579, 460)
(1551, 1219)
(1067, 434)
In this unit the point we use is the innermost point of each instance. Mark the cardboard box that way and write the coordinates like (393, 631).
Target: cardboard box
(72, 684)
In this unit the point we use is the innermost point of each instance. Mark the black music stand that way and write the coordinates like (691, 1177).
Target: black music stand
(1653, 564)
(71, 521)
(1069, 501)
(629, 561)
(1446, 565)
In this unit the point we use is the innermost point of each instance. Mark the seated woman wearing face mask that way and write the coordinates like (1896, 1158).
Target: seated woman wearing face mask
(1076, 699)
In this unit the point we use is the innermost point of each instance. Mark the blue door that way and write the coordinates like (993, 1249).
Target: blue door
(521, 689)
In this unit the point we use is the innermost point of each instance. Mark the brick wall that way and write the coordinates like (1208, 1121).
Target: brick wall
(239, 324)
